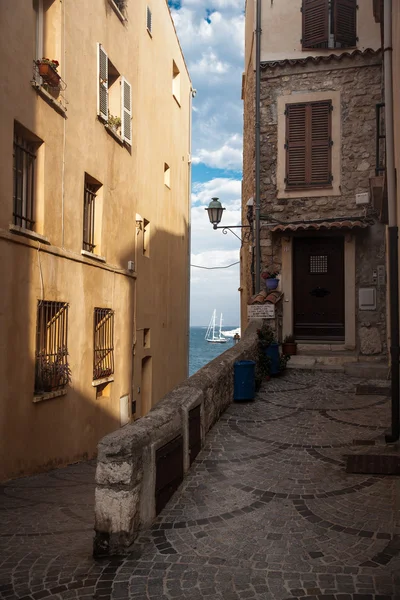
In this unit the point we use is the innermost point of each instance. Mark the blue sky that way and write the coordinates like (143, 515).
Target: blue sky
(212, 39)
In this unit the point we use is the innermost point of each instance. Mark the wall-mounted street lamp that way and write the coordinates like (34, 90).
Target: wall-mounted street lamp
(215, 211)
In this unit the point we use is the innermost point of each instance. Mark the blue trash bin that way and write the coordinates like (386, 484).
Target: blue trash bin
(272, 351)
(244, 387)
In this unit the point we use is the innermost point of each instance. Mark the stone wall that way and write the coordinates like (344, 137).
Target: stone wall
(248, 185)
(359, 81)
(125, 475)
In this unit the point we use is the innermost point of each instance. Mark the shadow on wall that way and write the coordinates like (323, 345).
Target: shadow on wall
(140, 466)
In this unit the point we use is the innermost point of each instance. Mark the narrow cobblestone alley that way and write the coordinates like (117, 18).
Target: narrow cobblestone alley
(267, 511)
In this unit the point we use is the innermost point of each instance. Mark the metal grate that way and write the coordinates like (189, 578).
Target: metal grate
(103, 358)
(194, 432)
(52, 371)
(169, 471)
(88, 217)
(373, 464)
(24, 183)
(318, 264)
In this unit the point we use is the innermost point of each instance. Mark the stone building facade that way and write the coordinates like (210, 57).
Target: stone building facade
(319, 229)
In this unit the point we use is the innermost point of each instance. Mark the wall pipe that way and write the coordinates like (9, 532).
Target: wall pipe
(257, 140)
(393, 228)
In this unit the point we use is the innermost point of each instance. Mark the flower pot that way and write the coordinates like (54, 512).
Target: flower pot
(289, 348)
(49, 75)
(271, 283)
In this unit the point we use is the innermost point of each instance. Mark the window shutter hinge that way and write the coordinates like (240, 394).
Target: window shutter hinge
(357, 39)
(330, 178)
(330, 142)
(331, 107)
(286, 145)
(285, 180)
(285, 112)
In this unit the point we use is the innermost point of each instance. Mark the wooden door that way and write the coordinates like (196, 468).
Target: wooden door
(318, 288)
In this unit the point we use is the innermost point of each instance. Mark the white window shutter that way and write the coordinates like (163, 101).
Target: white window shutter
(149, 19)
(102, 88)
(126, 111)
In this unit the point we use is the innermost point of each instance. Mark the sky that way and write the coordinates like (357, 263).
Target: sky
(212, 38)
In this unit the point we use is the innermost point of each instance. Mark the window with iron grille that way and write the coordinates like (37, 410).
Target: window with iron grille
(103, 359)
(24, 182)
(329, 23)
(89, 204)
(52, 370)
(308, 145)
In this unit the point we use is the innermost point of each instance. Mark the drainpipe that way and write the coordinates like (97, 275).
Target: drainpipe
(393, 228)
(257, 135)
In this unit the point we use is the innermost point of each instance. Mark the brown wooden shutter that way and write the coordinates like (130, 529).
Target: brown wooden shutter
(319, 160)
(308, 145)
(345, 23)
(296, 151)
(315, 23)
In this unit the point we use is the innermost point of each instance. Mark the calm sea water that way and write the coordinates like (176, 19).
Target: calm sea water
(201, 352)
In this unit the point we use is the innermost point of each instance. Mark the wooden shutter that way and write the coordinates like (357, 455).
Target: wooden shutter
(345, 23)
(296, 151)
(319, 162)
(126, 111)
(102, 88)
(315, 23)
(308, 145)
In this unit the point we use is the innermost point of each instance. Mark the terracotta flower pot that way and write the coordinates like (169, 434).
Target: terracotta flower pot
(289, 348)
(50, 76)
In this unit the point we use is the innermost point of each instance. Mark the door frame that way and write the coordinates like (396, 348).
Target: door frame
(349, 286)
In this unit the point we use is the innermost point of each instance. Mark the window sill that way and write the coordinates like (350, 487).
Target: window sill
(28, 233)
(93, 256)
(117, 11)
(308, 188)
(149, 32)
(114, 134)
(97, 382)
(49, 395)
(58, 107)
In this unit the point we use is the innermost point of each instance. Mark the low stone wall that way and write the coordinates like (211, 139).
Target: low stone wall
(126, 464)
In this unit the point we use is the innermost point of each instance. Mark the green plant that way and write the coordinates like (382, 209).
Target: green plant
(265, 335)
(270, 274)
(52, 371)
(289, 339)
(283, 361)
(54, 64)
(114, 122)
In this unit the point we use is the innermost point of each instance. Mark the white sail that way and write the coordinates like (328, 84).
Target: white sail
(210, 334)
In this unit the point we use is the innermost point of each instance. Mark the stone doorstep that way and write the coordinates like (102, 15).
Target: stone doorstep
(317, 348)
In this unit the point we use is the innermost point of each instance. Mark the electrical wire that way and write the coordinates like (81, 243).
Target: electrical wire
(212, 268)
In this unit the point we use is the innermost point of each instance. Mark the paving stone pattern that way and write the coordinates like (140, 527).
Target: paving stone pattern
(266, 512)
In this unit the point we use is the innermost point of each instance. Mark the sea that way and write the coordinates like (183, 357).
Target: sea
(202, 352)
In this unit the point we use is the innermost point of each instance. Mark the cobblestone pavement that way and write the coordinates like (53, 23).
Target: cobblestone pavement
(267, 511)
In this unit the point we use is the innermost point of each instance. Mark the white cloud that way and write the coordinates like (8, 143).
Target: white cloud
(212, 38)
(228, 156)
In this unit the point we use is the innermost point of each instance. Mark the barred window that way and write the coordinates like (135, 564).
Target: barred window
(24, 182)
(52, 370)
(103, 359)
(89, 204)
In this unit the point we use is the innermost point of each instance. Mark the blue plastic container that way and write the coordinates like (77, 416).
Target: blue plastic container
(272, 351)
(244, 387)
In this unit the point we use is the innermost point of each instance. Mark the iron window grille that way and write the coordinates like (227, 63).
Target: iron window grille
(24, 183)
(52, 370)
(89, 217)
(103, 359)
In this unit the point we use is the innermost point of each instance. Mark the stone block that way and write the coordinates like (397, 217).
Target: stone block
(111, 473)
(370, 340)
(116, 511)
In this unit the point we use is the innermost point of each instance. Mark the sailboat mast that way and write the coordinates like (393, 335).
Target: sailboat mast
(220, 327)
(214, 315)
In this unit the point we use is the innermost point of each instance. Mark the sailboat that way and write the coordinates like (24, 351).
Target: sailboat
(211, 335)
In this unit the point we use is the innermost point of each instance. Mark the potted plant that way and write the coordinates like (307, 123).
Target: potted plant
(271, 279)
(269, 346)
(52, 372)
(114, 122)
(289, 345)
(48, 71)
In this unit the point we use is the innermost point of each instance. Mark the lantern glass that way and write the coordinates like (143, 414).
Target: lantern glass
(215, 211)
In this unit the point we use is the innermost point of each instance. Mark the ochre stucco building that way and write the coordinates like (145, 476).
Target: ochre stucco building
(94, 217)
(321, 84)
